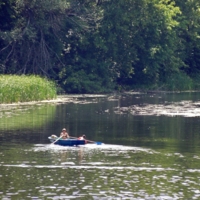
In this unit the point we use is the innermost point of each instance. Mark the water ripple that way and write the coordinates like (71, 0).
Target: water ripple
(72, 166)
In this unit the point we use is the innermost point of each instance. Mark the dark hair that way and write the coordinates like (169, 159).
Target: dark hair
(84, 136)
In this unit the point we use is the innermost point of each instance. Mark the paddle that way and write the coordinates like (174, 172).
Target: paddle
(98, 143)
(56, 140)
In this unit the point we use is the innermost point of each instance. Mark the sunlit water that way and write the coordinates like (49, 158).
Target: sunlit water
(142, 156)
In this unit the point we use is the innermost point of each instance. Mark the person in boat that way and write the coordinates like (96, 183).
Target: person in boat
(54, 136)
(83, 137)
(64, 134)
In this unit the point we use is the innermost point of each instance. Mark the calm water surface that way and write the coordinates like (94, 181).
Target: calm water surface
(151, 148)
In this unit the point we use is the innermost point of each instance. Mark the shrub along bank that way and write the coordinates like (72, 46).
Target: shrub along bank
(15, 88)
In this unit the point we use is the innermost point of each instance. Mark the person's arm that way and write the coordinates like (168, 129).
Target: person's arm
(67, 134)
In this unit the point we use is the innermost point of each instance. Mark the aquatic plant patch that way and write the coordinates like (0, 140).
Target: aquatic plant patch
(15, 88)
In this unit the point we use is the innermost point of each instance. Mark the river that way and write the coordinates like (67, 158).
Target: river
(150, 148)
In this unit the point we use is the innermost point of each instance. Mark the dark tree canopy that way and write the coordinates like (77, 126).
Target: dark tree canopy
(97, 46)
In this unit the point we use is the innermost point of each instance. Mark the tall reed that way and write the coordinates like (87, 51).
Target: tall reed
(23, 88)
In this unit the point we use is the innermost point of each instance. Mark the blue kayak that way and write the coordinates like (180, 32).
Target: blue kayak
(67, 142)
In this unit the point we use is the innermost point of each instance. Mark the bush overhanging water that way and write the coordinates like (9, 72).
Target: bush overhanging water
(25, 88)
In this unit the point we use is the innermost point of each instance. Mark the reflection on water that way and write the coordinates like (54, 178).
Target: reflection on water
(23, 117)
(146, 154)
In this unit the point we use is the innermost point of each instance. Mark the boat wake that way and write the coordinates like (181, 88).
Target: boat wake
(90, 147)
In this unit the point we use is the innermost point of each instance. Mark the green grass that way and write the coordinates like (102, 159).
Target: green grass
(15, 88)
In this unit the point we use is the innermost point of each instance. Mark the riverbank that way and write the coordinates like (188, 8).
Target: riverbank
(61, 99)
(81, 98)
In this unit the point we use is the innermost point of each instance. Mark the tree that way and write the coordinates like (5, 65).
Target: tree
(140, 39)
(189, 35)
(7, 20)
(35, 43)
(86, 69)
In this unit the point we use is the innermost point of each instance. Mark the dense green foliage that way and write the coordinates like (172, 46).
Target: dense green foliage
(25, 88)
(97, 46)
